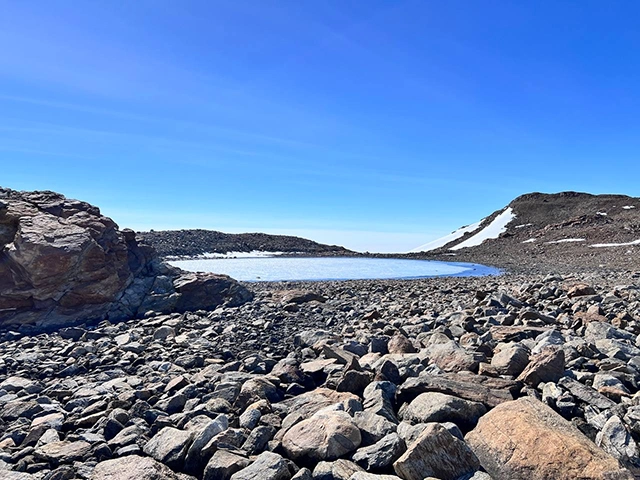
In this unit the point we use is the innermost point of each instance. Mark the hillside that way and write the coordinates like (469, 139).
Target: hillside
(191, 243)
(559, 232)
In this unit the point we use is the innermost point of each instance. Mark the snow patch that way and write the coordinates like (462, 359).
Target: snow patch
(442, 241)
(493, 230)
(531, 240)
(252, 254)
(629, 207)
(524, 225)
(567, 240)
(604, 214)
(627, 244)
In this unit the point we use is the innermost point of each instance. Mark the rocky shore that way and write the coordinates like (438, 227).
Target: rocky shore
(507, 377)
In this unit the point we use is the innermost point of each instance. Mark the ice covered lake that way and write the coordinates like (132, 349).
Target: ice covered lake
(331, 268)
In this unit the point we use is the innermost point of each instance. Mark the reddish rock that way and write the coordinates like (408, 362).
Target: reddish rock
(526, 440)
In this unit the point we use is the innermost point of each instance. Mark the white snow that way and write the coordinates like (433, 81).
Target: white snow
(629, 207)
(524, 225)
(601, 245)
(604, 214)
(252, 254)
(531, 240)
(493, 230)
(442, 241)
(567, 240)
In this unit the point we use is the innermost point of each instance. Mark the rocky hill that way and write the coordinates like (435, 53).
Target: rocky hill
(566, 231)
(192, 243)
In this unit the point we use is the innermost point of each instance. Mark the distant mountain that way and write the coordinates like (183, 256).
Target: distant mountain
(192, 243)
(561, 227)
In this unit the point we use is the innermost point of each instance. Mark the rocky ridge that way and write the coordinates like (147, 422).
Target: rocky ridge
(444, 378)
(62, 262)
(194, 243)
(563, 232)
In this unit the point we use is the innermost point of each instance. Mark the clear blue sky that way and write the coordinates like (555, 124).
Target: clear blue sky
(378, 125)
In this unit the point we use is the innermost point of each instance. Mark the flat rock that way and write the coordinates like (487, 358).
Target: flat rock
(586, 393)
(478, 388)
(63, 451)
(133, 467)
(372, 476)
(526, 440)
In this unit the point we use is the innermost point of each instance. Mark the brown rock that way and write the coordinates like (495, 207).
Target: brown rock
(580, 290)
(526, 440)
(62, 262)
(436, 453)
(400, 344)
(546, 366)
(300, 296)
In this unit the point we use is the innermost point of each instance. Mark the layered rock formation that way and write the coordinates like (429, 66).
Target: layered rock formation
(63, 263)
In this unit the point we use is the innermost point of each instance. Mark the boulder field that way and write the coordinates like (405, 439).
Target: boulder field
(503, 378)
(63, 263)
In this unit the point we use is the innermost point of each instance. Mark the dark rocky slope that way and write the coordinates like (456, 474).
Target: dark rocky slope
(536, 239)
(62, 262)
(191, 243)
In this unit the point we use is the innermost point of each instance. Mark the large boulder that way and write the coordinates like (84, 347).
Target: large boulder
(62, 262)
(526, 440)
(436, 453)
(327, 435)
(439, 407)
(133, 467)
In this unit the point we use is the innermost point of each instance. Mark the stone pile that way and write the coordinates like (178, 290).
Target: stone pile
(451, 379)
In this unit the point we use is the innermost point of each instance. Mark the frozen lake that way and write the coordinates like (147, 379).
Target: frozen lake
(331, 268)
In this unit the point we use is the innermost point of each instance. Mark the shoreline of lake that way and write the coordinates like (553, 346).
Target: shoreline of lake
(310, 268)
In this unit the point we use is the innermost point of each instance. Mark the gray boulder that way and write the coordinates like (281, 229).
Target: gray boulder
(267, 466)
(439, 407)
(169, 446)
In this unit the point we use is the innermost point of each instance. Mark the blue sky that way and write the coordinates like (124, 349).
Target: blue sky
(378, 125)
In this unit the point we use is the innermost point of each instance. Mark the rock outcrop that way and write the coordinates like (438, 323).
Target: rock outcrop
(63, 263)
